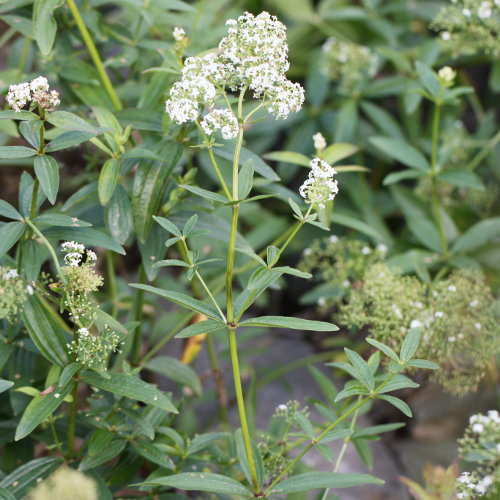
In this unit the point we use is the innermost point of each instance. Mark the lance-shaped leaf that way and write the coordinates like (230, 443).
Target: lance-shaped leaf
(9, 234)
(175, 370)
(361, 369)
(292, 323)
(108, 179)
(202, 481)
(41, 407)
(8, 211)
(131, 387)
(181, 299)
(315, 480)
(44, 24)
(10, 152)
(402, 151)
(47, 173)
(207, 326)
(45, 331)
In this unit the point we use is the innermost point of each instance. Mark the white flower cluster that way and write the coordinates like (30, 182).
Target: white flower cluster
(35, 91)
(472, 486)
(10, 274)
(447, 76)
(223, 120)
(179, 34)
(320, 186)
(74, 253)
(253, 55)
(319, 142)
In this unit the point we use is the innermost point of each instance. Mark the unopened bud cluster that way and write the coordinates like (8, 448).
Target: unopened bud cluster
(254, 56)
(468, 26)
(320, 186)
(36, 91)
(480, 445)
(92, 350)
(349, 63)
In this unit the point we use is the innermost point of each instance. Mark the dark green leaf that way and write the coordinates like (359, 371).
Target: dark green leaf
(60, 220)
(207, 326)
(68, 140)
(152, 453)
(175, 370)
(10, 114)
(461, 178)
(108, 179)
(400, 405)
(45, 331)
(105, 454)
(47, 173)
(478, 235)
(245, 179)
(131, 387)
(291, 323)
(401, 151)
(428, 79)
(8, 211)
(44, 24)
(70, 121)
(10, 152)
(9, 234)
(205, 194)
(119, 215)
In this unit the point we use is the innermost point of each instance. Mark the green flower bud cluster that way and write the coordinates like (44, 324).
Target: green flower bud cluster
(349, 63)
(480, 445)
(63, 484)
(13, 293)
(93, 351)
(456, 316)
(341, 263)
(468, 26)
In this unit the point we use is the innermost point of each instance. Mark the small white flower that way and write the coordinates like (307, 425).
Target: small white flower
(466, 12)
(73, 259)
(484, 11)
(445, 35)
(346, 284)
(83, 332)
(366, 250)
(18, 96)
(223, 120)
(451, 338)
(320, 186)
(382, 248)
(282, 407)
(39, 84)
(91, 256)
(478, 428)
(57, 395)
(477, 326)
(333, 238)
(10, 274)
(307, 251)
(447, 75)
(73, 246)
(415, 323)
(452, 288)
(322, 302)
(474, 303)
(179, 34)
(439, 314)
(30, 290)
(319, 141)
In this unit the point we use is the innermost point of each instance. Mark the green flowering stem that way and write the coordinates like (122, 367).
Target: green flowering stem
(53, 431)
(292, 235)
(353, 410)
(72, 419)
(241, 406)
(94, 54)
(49, 248)
(214, 162)
(138, 315)
(111, 281)
(436, 206)
(220, 387)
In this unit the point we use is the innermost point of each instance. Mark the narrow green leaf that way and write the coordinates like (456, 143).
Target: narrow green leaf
(105, 454)
(461, 178)
(41, 407)
(402, 151)
(68, 140)
(398, 382)
(175, 370)
(25, 477)
(108, 179)
(70, 121)
(339, 151)
(203, 193)
(291, 323)
(152, 453)
(348, 392)
(245, 181)
(201, 327)
(395, 177)
(45, 331)
(384, 348)
(428, 79)
(119, 215)
(8, 211)
(60, 220)
(6, 495)
(361, 368)
(189, 226)
(131, 387)
(5, 385)
(316, 480)
(202, 441)
(169, 226)
(400, 405)
(336, 434)
(243, 459)
(10, 114)
(181, 299)
(478, 235)
(410, 344)
(44, 24)
(202, 481)
(47, 173)
(293, 272)
(422, 363)
(288, 157)
(375, 430)
(296, 209)
(10, 152)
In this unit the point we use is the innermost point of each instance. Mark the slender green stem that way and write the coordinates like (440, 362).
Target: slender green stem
(241, 407)
(111, 282)
(230, 264)
(49, 247)
(53, 431)
(7, 36)
(436, 206)
(34, 198)
(138, 316)
(72, 421)
(24, 55)
(220, 388)
(214, 163)
(94, 54)
(292, 235)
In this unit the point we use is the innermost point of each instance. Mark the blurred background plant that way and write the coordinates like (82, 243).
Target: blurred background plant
(416, 231)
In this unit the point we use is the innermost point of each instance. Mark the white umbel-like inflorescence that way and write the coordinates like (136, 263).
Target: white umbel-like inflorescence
(320, 186)
(223, 120)
(35, 91)
(254, 56)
